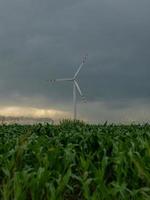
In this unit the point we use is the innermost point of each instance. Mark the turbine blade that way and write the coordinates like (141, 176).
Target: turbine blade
(59, 80)
(79, 90)
(81, 65)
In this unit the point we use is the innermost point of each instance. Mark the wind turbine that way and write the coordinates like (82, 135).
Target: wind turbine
(75, 86)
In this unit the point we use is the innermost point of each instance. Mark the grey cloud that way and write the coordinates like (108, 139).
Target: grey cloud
(46, 39)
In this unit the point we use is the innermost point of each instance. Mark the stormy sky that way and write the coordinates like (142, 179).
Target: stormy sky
(47, 39)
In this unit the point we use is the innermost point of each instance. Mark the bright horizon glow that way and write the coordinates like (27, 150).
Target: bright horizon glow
(97, 112)
(15, 111)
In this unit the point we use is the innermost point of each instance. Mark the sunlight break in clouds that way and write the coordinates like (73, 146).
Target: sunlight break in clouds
(33, 112)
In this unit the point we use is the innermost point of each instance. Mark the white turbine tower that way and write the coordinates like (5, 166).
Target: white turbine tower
(75, 86)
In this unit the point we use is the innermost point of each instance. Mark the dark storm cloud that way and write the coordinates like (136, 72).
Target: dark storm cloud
(46, 39)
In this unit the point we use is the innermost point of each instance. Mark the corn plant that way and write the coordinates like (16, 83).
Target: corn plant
(75, 161)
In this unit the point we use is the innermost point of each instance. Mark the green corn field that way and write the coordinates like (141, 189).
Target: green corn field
(75, 161)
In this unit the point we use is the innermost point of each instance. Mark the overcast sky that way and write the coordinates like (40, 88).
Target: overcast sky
(47, 39)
